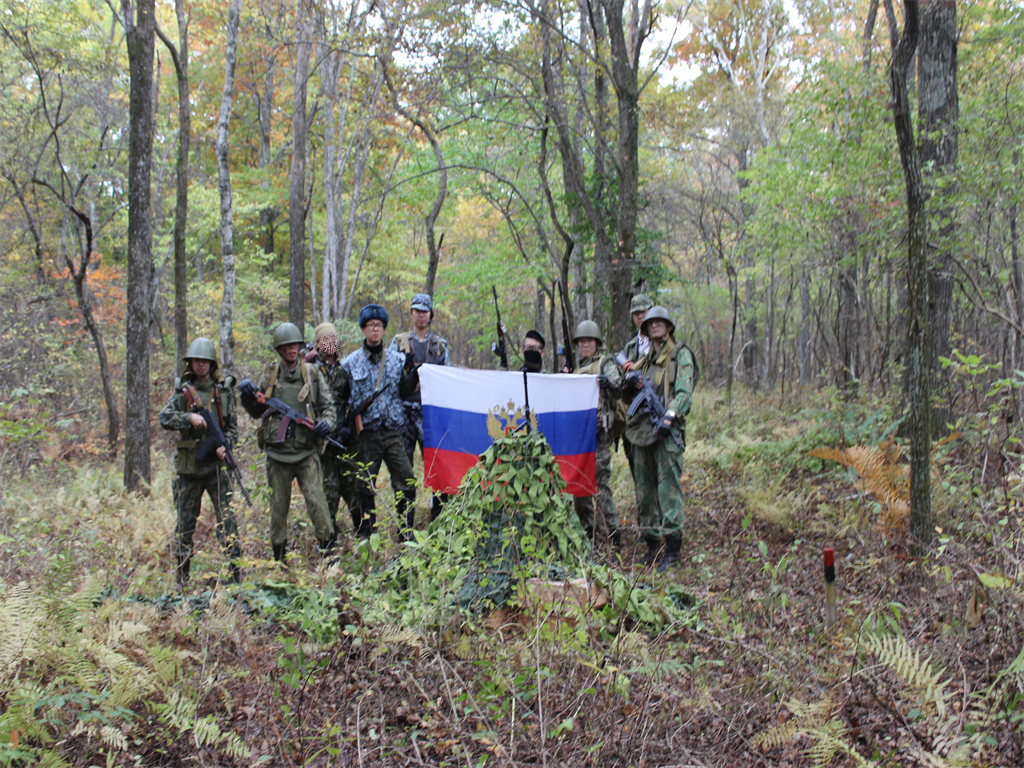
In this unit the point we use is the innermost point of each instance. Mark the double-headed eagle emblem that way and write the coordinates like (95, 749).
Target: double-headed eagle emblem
(502, 420)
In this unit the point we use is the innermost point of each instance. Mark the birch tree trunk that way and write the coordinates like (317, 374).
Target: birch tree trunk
(139, 24)
(227, 235)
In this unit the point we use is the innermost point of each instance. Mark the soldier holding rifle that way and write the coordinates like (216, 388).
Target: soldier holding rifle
(297, 408)
(661, 385)
(198, 389)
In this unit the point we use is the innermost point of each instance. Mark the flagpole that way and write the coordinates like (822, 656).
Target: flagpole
(526, 395)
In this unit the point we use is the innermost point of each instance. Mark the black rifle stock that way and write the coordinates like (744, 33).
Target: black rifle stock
(215, 439)
(499, 349)
(655, 408)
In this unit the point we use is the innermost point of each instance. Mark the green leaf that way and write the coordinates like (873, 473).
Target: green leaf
(995, 580)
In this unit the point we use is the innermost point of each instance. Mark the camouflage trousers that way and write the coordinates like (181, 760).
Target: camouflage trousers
(339, 471)
(413, 432)
(659, 494)
(188, 499)
(609, 515)
(388, 447)
(311, 483)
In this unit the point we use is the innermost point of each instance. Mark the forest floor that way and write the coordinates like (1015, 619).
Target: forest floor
(924, 666)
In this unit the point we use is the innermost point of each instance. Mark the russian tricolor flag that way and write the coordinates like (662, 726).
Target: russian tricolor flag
(465, 410)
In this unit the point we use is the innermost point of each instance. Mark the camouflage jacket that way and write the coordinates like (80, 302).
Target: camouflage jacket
(601, 363)
(175, 415)
(306, 390)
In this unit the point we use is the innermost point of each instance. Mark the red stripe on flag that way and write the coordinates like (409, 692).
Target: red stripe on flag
(579, 473)
(444, 470)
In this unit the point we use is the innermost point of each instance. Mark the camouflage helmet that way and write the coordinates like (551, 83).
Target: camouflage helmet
(201, 349)
(324, 329)
(639, 303)
(657, 313)
(588, 330)
(287, 333)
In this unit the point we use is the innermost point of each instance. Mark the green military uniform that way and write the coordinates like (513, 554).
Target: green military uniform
(601, 364)
(194, 478)
(293, 451)
(658, 462)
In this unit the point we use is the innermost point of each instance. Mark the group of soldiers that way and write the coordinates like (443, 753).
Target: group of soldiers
(342, 418)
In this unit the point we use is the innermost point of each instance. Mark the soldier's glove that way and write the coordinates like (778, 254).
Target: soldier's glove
(247, 389)
(602, 381)
(632, 381)
(664, 428)
(322, 429)
(344, 434)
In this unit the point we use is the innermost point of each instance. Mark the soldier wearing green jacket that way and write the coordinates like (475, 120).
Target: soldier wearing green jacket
(636, 348)
(200, 387)
(593, 360)
(293, 451)
(672, 369)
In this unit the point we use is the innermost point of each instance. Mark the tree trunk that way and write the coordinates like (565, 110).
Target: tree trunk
(805, 324)
(139, 32)
(297, 175)
(938, 112)
(919, 416)
(180, 58)
(227, 232)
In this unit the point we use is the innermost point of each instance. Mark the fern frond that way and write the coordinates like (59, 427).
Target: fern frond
(113, 738)
(827, 740)
(20, 618)
(924, 680)
(778, 735)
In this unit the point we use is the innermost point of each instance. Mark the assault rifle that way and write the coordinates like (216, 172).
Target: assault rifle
(499, 348)
(215, 439)
(570, 363)
(289, 414)
(356, 417)
(646, 396)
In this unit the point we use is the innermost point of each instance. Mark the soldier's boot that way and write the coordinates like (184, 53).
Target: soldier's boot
(366, 516)
(405, 506)
(326, 548)
(279, 552)
(653, 549)
(437, 504)
(670, 555)
(356, 513)
(182, 569)
(234, 572)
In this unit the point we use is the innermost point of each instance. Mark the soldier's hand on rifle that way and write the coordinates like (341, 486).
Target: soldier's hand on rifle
(344, 434)
(628, 366)
(322, 429)
(222, 453)
(632, 381)
(602, 381)
(197, 421)
(664, 428)
(312, 357)
(247, 389)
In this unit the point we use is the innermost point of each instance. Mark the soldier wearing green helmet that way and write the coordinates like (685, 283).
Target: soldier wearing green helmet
(592, 360)
(672, 369)
(200, 387)
(637, 346)
(293, 451)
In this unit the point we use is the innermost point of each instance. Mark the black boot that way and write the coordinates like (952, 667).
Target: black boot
(653, 549)
(670, 556)
(407, 506)
(234, 572)
(326, 548)
(182, 569)
(279, 550)
(366, 517)
(436, 504)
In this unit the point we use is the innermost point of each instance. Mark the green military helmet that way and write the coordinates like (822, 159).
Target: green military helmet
(639, 303)
(657, 313)
(588, 330)
(287, 333)
(201, 349)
